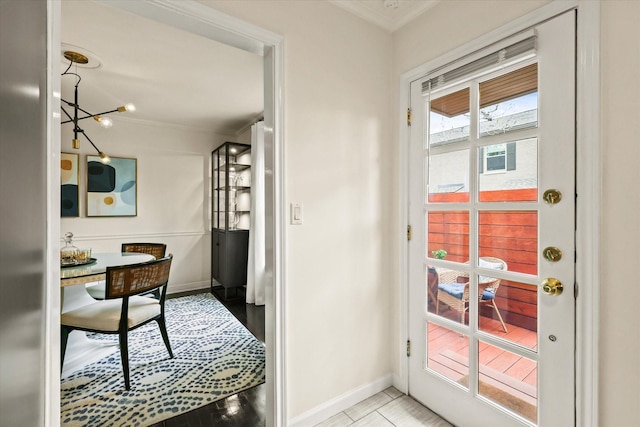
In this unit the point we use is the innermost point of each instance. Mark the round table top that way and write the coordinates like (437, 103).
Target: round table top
(92, 271)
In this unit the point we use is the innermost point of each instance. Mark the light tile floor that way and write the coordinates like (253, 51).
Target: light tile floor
(387, 408)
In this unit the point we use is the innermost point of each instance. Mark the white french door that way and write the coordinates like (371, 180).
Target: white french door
(492, 185)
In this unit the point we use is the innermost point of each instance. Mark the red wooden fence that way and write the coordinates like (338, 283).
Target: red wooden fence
(509, 235)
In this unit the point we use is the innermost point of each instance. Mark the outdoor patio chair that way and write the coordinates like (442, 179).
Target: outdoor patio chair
(453, 289)
(96, 289)
(123, 309)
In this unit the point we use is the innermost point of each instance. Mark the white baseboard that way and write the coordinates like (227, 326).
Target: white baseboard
(340, 403)
(184, 287)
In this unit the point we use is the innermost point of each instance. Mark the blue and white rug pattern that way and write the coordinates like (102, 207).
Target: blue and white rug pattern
(215, 356)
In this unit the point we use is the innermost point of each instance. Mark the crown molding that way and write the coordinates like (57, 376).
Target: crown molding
(389, 18)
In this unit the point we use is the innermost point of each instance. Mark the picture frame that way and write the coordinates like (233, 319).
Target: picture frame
(69, 181)
(112, 188)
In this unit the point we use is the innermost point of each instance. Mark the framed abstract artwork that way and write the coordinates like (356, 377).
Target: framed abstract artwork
(112, 189)
(69, 173)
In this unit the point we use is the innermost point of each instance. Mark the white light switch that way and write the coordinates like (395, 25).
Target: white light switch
(296, 213)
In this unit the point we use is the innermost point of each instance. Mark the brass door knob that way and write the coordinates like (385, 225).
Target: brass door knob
(551, 286)
(552, 196)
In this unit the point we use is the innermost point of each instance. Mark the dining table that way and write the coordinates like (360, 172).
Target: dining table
(80, 349)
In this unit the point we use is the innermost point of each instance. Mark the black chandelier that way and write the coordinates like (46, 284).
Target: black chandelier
(78, 58)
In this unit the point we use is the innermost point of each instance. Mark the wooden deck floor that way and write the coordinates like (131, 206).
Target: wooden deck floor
(513, 377)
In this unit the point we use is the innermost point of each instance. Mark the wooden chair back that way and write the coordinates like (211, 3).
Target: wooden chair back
(158, 250)
(127, 280)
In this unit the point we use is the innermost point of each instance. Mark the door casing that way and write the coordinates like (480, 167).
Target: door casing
(588, 184)
(225, 29)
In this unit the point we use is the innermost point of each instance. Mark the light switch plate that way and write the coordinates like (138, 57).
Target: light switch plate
(296, 213)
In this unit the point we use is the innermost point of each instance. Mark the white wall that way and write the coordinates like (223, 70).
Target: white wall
(173, 194)
(337, 146)
(619, 336)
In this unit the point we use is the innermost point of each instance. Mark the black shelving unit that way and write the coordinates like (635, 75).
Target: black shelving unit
(230, 204)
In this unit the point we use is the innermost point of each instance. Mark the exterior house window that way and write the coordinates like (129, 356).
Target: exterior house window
(497, 158)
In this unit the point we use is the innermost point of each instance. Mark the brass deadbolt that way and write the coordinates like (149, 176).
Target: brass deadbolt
(552, 196)
(551, 253)
(551, 286)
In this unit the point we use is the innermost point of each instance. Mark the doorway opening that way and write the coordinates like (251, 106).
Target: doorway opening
(205, 21)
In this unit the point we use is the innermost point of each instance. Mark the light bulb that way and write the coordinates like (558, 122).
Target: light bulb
(127, 107)
(105, 122)
(104, 158)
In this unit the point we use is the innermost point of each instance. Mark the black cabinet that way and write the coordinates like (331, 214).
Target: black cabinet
(230, 210)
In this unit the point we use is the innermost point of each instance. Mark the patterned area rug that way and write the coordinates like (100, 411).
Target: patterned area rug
(215, 356)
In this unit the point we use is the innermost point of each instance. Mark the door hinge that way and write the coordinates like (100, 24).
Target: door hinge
(408, 116)
(408, 348)
(575, 290)
(409, 234)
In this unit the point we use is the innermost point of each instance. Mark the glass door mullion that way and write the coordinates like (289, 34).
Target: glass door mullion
(507, 345)
(474, 368)
(442, 207)
(502, 138)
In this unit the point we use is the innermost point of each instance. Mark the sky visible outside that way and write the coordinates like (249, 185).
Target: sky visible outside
(439, 123)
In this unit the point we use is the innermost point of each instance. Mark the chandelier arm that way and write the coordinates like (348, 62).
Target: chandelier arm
(86, 112)
(90, 141)
(70, 104)
(71, 120)
(76, 129)
(89, 116)
(82, 118)
(66, 114)
(106, 112)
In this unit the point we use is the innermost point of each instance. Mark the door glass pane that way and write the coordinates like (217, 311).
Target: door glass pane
(448, 353)
(511, 236)
(509, 380)
(448, 235)
(509, 310)
(448, 179)
(449, 118)
(508, 172)
(509, 102)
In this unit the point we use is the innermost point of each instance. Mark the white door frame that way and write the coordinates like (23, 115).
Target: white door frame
(197, 18)
(588, 184)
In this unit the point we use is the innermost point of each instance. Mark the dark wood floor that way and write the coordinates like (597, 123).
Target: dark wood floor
(245, 409)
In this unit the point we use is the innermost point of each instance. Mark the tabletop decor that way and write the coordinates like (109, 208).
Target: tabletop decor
(112, 188)
(71, 256)
(215, 356)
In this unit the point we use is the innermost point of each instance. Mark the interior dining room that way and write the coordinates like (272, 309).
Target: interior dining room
(150, 118)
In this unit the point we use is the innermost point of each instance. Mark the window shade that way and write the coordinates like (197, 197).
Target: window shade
(494, 59)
